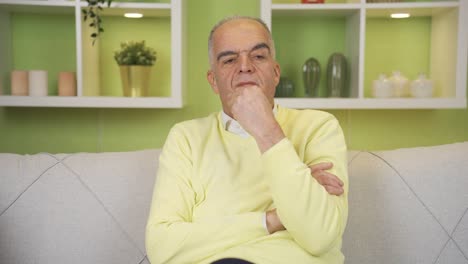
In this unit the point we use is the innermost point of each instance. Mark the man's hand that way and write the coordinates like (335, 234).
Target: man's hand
(252, 109)
(329, 181)
(273, 222)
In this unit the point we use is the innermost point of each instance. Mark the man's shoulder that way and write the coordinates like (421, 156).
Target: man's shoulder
(304, 115)
(196, 125)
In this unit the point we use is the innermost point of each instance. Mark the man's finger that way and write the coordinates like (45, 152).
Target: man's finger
(334, 190)
(324, 177)
(321, 166)
(330, 179)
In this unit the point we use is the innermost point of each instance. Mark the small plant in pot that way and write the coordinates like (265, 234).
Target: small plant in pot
(135, 60)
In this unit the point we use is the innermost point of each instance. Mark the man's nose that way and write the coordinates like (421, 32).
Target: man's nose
(245, 64)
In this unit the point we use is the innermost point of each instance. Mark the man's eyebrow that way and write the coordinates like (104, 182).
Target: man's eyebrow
(225, 53)
(262, 45)
(230, 52)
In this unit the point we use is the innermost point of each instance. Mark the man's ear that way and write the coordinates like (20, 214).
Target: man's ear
(277, 71)
(210, 76)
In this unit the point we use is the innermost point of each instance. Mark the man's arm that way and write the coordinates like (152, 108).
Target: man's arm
(314, 218)
(332, 184)
(171, 234)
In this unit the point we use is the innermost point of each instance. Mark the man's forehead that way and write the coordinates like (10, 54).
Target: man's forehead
(240, 35)
(240, 26)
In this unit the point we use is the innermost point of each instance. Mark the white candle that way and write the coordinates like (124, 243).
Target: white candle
(38, 83)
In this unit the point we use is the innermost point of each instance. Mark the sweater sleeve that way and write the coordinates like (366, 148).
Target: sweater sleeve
(172, 236)
(314, 218)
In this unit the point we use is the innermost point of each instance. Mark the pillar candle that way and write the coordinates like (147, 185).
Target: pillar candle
(38, 83)
(67, 84)
(19, 82)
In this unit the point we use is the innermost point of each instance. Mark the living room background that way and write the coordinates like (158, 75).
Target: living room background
(32, 130)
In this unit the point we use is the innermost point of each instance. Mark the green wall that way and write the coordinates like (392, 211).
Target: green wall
(31, 130)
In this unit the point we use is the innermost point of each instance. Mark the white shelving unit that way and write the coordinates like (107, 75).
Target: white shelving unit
(447, 67)
(174, 10)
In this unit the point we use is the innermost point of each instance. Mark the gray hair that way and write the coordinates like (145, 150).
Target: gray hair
(227, 19)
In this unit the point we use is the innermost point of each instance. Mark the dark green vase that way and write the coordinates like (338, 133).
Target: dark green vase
(285, 88)
(311, 77)
(337, 76)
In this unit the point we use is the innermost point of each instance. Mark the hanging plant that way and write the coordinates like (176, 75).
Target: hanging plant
(93, 11)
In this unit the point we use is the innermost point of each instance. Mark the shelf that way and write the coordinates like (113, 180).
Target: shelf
(372, 103)
(98, 77)
(315, 9)
(30, 35)
(90, 101)
(147, 9)
(410, 5)
(433, 41)
(339, 34)
(415, 9)
(100, 71)
(16, 5)
(435, 34)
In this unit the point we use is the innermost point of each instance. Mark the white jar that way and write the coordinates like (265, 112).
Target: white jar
(382, 87)
(400, 84)
(422, 87)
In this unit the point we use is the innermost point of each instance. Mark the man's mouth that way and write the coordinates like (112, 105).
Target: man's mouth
(243, 84)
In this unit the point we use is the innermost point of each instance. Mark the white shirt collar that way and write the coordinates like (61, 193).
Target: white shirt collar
(231, 125)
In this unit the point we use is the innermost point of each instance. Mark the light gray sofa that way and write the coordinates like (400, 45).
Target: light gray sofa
(405, 206)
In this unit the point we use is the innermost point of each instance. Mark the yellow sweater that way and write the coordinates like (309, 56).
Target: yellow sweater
(213, 188)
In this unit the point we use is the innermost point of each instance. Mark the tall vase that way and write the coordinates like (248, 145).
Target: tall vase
(135, 80)
(311, 77)
(337, 76)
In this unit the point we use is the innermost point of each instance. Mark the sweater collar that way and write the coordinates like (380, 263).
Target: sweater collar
(231, 125)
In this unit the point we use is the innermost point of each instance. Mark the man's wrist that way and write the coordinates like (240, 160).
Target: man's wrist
(273, 222)
(270, 138)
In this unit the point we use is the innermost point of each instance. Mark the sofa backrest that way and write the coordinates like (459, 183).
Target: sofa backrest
(405, 206)
(408, 206)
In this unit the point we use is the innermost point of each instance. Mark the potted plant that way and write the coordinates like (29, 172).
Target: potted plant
(93, 12)
(135, 60)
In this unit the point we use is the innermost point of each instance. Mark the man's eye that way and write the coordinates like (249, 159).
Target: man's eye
(259, 57)
(228, 61)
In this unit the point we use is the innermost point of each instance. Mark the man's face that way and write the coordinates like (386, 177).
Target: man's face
(241, 58)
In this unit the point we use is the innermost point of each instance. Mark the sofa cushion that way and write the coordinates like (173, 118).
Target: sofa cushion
(82, 208)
